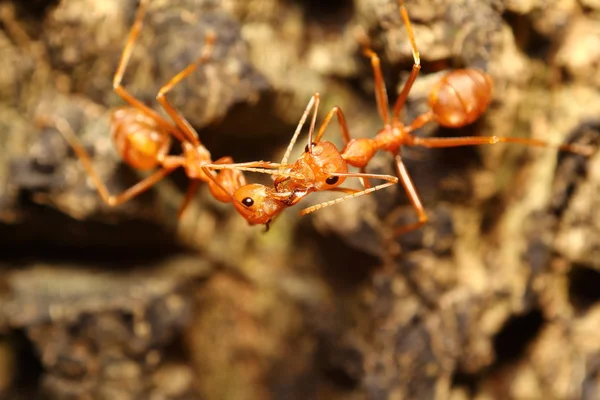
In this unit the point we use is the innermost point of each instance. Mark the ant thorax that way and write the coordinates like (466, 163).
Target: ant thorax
(324, 159)
(391, 137)
(196, 157)
(313, 170)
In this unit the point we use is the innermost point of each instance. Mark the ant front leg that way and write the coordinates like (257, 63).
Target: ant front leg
(401, 100)
(337, 111)
(413, 196)
(169, 164)
(380, 90)
(180, 121)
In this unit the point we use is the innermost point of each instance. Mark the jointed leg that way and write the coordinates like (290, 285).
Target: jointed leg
(479, 140)
(401, 100)
(409, 187)
(341, 120)
(63, 127)
(313, 100)
(391, 180)
(380, 90)
(419, 122)
(117, 79)
(189, 195)
(180, 121)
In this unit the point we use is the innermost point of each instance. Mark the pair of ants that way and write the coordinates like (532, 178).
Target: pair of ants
(143, 138)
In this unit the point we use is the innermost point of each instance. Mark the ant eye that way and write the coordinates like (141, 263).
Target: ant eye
(332, 180)
(248, 202)
(313, 144)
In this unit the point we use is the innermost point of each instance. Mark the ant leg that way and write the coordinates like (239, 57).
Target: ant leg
(409, 187)
(419, 122)
(189, 195)
(118, 77)
(169, 165)
(401, 100)
(479, 140)
(391, 180)
(314, 99)
(180, 121)
(342, 122)
(380, 90)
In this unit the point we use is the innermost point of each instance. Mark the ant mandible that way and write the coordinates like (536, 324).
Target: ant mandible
(143, 138)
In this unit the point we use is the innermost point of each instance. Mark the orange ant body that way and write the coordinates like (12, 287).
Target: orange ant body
(458, 99)
(321, 169)
(143, 138)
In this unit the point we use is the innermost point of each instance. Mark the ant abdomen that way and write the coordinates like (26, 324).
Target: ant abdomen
(139, 139)
(460, 97)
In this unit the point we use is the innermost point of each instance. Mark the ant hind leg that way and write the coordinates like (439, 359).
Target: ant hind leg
(401, 100)
(63, 127)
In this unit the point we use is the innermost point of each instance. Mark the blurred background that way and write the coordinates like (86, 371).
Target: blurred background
(496, 297)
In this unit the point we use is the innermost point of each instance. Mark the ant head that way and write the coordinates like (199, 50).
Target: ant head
(258, 204)
(324, 159)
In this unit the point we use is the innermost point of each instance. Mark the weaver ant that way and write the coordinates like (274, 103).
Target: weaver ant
(457, 100)
(321, 169)
(143, 139)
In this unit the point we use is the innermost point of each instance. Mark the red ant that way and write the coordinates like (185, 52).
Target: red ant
(458, 99)
(321, 169)
(143, 139)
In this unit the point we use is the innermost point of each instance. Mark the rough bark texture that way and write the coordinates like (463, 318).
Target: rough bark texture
(496, 297)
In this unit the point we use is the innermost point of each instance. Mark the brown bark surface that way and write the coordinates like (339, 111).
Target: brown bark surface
(495, 297)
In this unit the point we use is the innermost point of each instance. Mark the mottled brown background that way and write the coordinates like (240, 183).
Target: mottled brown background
(497, 297)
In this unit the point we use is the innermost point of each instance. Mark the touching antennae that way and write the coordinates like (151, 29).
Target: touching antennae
(206, 168)
(258, 166)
